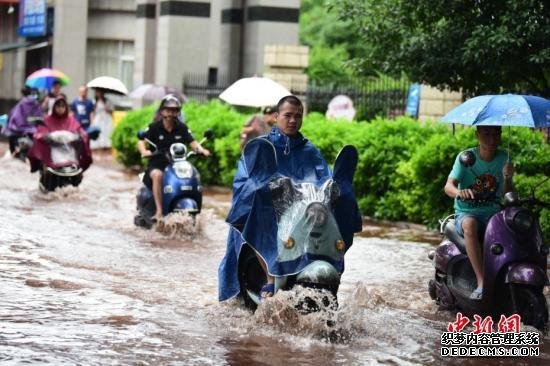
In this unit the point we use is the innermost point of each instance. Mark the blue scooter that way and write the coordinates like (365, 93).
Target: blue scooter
(181, 186)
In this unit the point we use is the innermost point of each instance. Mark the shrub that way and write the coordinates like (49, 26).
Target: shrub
(124, 137)
(224, 122)
(403, 164)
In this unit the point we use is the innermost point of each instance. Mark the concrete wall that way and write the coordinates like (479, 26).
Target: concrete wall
(109, 24)
(69, 42)
(268, 22)
(214, 32)
(182, 35)
(230, 38)
(435, 104)
(145, 41)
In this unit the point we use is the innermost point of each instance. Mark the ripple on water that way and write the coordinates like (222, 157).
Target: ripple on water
(118, 320)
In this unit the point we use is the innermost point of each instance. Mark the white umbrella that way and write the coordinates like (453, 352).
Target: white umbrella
(108, 84)
(254, 92)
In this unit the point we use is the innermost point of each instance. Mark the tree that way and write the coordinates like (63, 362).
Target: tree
(478, 46)
(332, 42)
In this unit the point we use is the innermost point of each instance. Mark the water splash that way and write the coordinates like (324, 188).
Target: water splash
(183, 225)
(330, 323)
(60, 194)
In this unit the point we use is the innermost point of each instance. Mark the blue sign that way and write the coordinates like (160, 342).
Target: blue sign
(32, 18)
(413, 99)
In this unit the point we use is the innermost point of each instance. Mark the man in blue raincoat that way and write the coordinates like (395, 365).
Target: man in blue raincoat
(252, 217)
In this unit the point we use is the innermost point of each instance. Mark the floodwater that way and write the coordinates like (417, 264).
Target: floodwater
(81, 285)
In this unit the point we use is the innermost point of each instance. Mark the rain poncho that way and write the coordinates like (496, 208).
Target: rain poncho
(252, 217)
(40, 152)
(20, 117)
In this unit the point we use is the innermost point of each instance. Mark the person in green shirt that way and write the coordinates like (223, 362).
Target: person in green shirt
(476, 190)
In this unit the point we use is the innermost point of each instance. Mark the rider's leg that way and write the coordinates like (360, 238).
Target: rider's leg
(13, 143)
(156, 179)
(269, 278)
(473, 247)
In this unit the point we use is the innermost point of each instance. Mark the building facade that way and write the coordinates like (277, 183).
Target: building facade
(145, 41)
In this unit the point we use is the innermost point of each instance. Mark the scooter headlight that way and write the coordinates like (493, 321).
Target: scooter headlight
(178, 151)
(316, 214)
(522, 221)
(183, 169)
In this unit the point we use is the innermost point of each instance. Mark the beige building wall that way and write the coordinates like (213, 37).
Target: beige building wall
(434, 103)
(286, 64)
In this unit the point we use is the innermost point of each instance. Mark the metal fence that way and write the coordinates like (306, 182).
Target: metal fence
(380, 97)
(203, 87)
(386, 98)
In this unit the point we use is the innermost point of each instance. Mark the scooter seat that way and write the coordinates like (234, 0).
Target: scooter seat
(451, 233)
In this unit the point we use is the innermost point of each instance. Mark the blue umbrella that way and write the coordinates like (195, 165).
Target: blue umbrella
(502, 110)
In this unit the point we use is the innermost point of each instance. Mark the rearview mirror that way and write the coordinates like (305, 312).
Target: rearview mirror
(141, 134)
(208, 134)
(467, 158)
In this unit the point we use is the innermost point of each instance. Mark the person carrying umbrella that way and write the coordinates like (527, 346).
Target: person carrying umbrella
(102, 120)
(475, 190)
(258, 125)
(165, 130)
(47, 103)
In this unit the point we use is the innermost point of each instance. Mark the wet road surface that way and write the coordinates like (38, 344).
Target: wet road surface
(81, 285)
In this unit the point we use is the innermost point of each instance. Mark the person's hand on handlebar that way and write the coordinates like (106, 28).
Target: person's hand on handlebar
(198, 149)
(146, 154)
(201, 150)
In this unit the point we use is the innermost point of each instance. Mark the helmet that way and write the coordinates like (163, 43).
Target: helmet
(170, 101)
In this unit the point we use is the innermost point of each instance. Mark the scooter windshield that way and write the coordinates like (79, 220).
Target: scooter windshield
(63, 152)
(306, 224)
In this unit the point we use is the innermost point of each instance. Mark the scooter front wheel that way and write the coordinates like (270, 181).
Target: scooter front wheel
(251, 276)
(531, 305)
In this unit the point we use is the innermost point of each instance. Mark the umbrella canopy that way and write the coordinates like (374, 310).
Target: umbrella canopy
(44, 78)
(155, 92)
(254, 92)
(502, 110)
(108, 84)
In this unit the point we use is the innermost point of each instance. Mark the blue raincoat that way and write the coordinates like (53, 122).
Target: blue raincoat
(252, 217)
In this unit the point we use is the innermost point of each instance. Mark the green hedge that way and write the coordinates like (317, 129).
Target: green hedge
(403, 164)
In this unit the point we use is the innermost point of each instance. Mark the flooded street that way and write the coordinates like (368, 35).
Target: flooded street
(81, 285)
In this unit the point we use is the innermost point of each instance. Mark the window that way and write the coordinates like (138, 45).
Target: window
(111, 58)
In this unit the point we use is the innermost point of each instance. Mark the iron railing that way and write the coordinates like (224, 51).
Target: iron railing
(379, 97)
